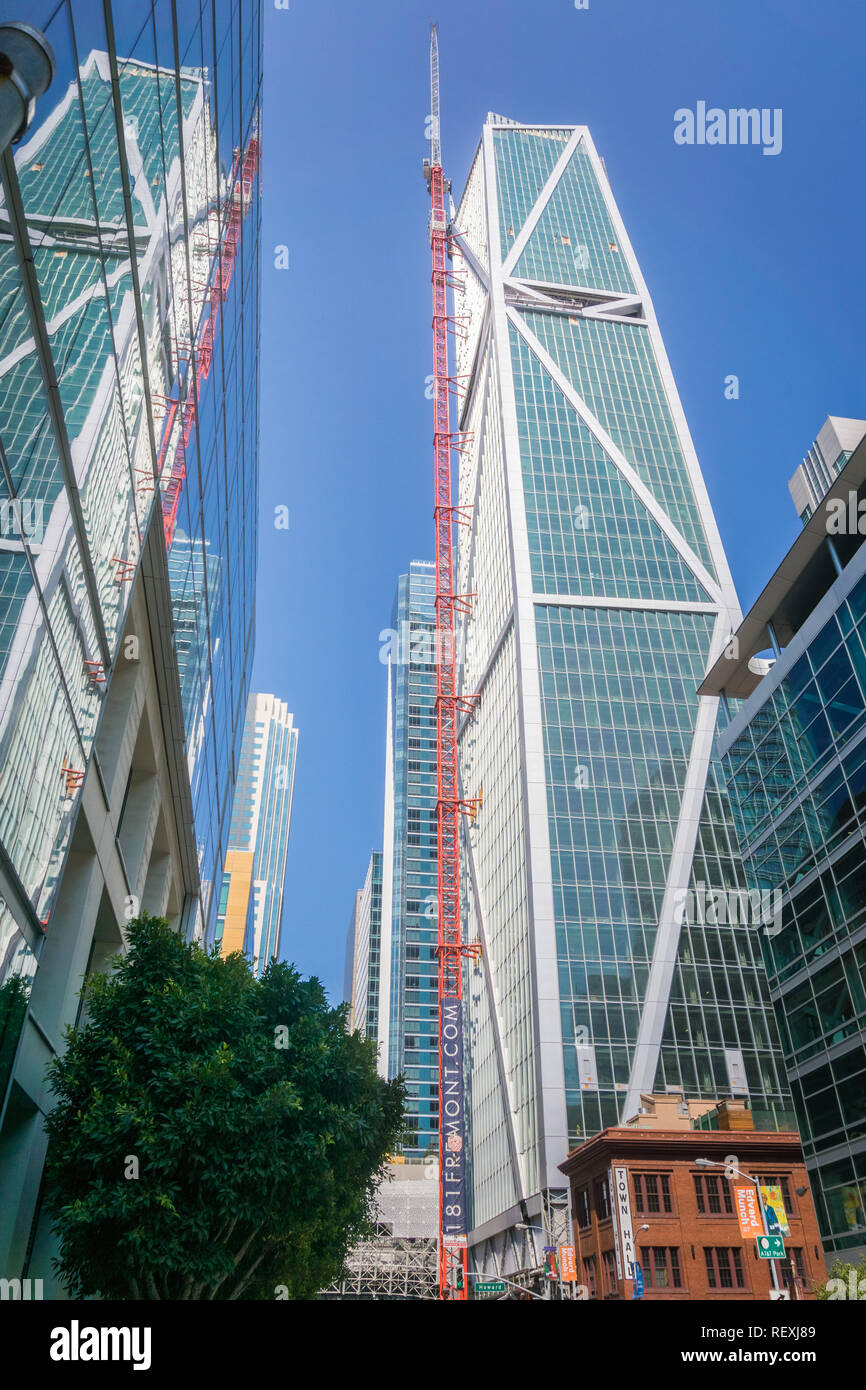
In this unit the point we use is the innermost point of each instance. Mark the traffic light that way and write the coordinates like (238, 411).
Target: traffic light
(459, 1281)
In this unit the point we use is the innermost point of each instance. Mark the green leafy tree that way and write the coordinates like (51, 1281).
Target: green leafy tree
(845, 1280)
(14, 993)
(215, 1136)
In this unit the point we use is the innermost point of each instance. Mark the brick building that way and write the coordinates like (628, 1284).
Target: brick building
(637, 1193)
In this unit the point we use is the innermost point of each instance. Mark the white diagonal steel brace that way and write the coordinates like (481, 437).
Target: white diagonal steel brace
(659, 515)
(541, 203)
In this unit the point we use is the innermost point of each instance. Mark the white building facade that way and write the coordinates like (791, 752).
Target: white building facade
(601, 592)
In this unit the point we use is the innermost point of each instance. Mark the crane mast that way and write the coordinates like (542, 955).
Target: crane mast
(449, 806)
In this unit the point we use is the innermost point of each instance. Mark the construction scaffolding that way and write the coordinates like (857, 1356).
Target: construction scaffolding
(401, 1260)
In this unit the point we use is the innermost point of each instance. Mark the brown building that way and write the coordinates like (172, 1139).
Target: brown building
(637, 1193)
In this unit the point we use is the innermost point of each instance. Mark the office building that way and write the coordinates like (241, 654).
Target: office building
(653, 1218)
(250, 912)
(827, 457)
(794, 755)
(365, 944)
(129, 249)
(408, 1028)
(601, 594)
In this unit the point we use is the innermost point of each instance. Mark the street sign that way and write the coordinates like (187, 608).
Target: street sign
(771, 1247)
(748, 1212)
(490, 1286)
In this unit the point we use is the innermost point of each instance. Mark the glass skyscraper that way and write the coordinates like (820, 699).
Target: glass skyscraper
(794, 754)
(408, 1029)
(259, 834)
(363, 954)
(601, 593)
(129, 323)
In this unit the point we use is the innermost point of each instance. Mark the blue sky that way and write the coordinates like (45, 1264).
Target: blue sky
(754, 263)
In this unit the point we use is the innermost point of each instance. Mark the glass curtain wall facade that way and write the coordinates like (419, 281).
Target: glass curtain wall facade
(408, 998)
(366, 933)
(129, 325)
(125, 187)
(602, 591)
(260, 823)
(795, 758)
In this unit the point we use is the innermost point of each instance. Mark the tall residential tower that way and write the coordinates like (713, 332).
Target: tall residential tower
(602, 593)
(251, 901)
(408, 1027)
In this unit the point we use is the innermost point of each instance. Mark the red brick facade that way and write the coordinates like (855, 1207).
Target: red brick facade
(692, 1248)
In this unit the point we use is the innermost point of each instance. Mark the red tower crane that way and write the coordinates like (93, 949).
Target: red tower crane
(449, 704)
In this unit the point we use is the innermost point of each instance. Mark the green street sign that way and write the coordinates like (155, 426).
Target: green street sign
(771, 1247)
(490, 1286)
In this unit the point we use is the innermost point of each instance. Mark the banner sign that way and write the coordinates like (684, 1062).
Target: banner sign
(550, 1267)
(748, 1212)
(611, 1185)
(453, 1177)
(637, 1288)
(774, 1207)
(568, 1263)
(623, 1218)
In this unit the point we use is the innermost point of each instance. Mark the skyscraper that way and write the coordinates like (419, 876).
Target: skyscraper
(129, 429)
(365, 933)
(601, 593)
(794, 753)
(836, 442)
(251, 901)
(408, 1027)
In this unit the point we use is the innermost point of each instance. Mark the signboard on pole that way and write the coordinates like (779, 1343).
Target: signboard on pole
(490, 1286)
(774, 1207)
(771, 1247)
(637, 1288)
(748, 1212)
(623, 1219)
(453, 1180)
(568, 1263)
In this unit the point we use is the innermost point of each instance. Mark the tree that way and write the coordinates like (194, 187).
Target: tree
(215, 1136)
(14, 993)
(845, 1280)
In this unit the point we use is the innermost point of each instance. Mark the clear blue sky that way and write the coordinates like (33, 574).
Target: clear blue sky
(755, 265)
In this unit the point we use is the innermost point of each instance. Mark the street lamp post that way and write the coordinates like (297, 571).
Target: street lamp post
(524, 1226)
(26, 70)
(714, 1163)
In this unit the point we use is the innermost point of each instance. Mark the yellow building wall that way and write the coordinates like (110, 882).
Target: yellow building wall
(239, 864)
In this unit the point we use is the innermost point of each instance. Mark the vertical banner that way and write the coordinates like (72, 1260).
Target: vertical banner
(623, 1219)
(550, 1267)
(568, 1263)
(615, 1223)
(748, 1212)
(451, 1120)
(774, 1207)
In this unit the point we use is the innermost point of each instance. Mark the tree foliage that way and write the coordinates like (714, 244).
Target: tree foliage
(845, 1280)
(215, 1136)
